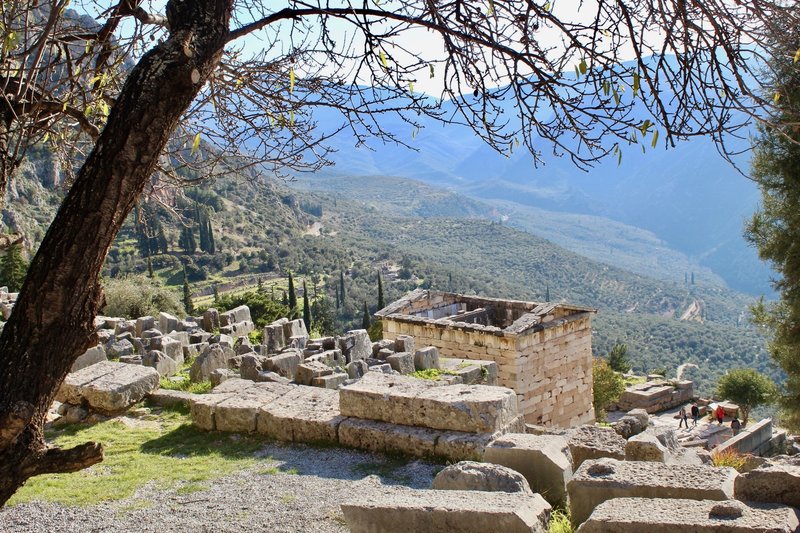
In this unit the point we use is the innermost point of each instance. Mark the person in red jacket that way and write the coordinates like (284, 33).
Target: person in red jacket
(720, 413)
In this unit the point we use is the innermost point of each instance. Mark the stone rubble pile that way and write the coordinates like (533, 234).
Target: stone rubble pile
(217, 346)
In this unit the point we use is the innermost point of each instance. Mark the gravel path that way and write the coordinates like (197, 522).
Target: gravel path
(255, 499)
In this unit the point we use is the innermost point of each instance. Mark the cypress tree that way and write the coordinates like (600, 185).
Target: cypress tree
(365, 321)
(306, 308)
(13, 268)
(381, 302)
(150, 273)
(187, 294)
(212, 244)
(292, 294)
(285, 300)
(338, 300)
(547, 294)
(216, 294)
(342, 293)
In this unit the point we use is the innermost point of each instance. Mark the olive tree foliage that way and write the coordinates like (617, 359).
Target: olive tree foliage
(775, 228)
(607, 386)
(209, 86)
(747, 388)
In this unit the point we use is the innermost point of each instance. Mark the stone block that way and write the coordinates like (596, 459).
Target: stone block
(301, 414)
(193, 350)
(167, 322)
(472, 475)
(170, 398)
(238, 329)
(170, 346)
(250, 367)
(164, 364)
(779, 483)
(239, 412)
(306, 372)
(216, 356)
(237, 314)
(119, 348)
(645, 447)
(356, 369)
(131, 359)
(402, 362)
(203, 407)
(400, 510)
(603, 479)
(108, 387)
(273, 339)
(294, 328)
(125, 326)
(383, 344)
(414, 402)
(593, 442)
(651, 515)
(284, 364)
(544, 460)
(330, 381)
(211, 319)
(384, 353)
(382, 437)
(355, 345)
(426, 358)
(93, 355)
(459, 446)
(404, 343)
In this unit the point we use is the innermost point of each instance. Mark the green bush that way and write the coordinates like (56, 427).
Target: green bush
(608, 386)
(137, 295)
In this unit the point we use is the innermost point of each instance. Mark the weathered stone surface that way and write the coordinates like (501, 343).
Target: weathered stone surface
(294, 328)
(459, 446)
(273, 339)
(93, 355)
(251, 365)
(404, 343)
(771, 484)
(356, 369)
(593, 442)
(222, 339)
(636, 515)
(401, 510)
(238, 329)
(164, 364)
(645, 447)
(180, 336)
(169, 398)
(120, 348)
(426, 358)
(238, 413)
(125, 326)
(633, 423)
(170, 346)
(472, 475)
(355, 345)
(193, 350)
(544, 460)
(108, 387)
(302, 414)
(414, 402)
(284, 364)
(331, 381)
(131, 359)
(211, 319)
(219, 376)
(266, 376)
(382, 437)
(402, 362)
(599, 480)
(143, 324)
(306, 372)
(383, 344)
(167, 322)
(216, 356)
(237, 314)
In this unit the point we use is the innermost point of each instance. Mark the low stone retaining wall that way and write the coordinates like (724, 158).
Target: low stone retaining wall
(750, 439)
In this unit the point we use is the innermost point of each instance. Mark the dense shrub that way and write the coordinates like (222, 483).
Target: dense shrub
(138, 295)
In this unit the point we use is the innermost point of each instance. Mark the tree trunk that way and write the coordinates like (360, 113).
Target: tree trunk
(53, 320)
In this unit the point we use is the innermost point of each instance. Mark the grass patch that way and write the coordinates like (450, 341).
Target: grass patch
(559, 522)
(170, 452)
(431, 373)
(185, 384)
(634, 380)
(729, 457)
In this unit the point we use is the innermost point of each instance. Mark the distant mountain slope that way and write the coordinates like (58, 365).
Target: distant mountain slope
(688, 196)
(597, 238)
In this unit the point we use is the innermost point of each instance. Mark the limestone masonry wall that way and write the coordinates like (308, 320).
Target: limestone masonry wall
(543, 353)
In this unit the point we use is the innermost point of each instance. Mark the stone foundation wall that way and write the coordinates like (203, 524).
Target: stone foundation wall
(550, 368)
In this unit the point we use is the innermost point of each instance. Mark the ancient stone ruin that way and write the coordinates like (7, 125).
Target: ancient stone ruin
(543, 351)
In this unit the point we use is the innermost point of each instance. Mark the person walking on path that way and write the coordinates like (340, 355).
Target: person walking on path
(695, 413)
(736, 425)
(683, 417)
(720, 413)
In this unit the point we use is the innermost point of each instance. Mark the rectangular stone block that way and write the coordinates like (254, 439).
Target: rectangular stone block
(382, 437)
(634, 515)
(401, 510)
(603, 479)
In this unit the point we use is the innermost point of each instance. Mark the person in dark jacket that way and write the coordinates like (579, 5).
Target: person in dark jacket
(695, 413)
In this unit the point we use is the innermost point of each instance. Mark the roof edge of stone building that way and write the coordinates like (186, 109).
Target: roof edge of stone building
(537, 315)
